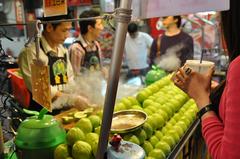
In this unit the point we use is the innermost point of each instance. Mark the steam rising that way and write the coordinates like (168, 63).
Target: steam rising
(92, 85)
(170, 60)
(89, 84)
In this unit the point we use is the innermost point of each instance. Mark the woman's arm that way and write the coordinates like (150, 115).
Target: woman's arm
(223, 136)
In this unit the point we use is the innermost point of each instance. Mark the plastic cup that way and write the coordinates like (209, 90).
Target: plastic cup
(196, 66)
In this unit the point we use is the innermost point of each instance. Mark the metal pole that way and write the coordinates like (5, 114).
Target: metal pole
(123, 16)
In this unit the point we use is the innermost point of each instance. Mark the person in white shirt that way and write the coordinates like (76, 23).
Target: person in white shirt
(137, 47)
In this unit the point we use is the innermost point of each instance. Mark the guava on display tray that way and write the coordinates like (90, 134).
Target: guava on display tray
(154, 88)
(175, 135)
(157, 105)
(178, 130)
(149, 112)
(119, 106)
(153, 140)
(85, 125)
(148, 129)
(147, 146)
(172, 106)
(149, 158)
(159, 119)
(147, 91)
(126, 102)
(185, 120)
(95, 120)
(141, 96)
(177, 116)
(136, 107)
(153, 108)
(172, 121)
(61, 152)
(100, 113)
(91, 138)
(134, 139)
(133, 100)
(97, 130)
(182, 125)
(151, 121)
(157, 154)
(159, 134)
(169, 140)
(152, 98)
(147, 102)
(81, 150)
(191, 113)
(167, 109)
(141, 134)
(74, 134)
(164, 147)
(163, 114)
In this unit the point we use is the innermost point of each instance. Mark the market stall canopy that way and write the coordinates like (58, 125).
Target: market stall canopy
(157, 8)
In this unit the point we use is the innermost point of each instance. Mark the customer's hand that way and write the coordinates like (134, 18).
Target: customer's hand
(196, 85)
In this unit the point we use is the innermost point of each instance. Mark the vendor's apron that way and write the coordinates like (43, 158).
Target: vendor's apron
(57, 69)
(91, 59)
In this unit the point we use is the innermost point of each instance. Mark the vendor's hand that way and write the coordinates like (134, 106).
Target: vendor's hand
(105, 72)
(196, 85)
(80, 102)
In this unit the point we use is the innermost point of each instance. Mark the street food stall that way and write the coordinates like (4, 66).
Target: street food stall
(157, 121)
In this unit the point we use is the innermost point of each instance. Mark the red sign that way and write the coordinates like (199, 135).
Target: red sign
(19, 13)
(54, 7)
(79, 2)
(155, 30)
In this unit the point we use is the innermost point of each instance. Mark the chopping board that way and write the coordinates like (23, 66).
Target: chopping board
(65, 113)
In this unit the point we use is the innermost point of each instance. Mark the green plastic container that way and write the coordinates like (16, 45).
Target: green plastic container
(154, 75)
(38, 136)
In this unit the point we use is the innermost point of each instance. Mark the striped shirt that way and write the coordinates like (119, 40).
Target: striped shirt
(77, 53)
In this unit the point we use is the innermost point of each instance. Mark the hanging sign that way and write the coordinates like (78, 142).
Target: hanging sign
(158, 8)
(54, 7)
(19, 13)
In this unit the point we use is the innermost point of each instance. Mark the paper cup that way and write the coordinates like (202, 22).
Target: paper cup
(196, 66)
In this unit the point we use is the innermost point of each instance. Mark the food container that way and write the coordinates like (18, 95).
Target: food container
(127, 121)
(37, 137)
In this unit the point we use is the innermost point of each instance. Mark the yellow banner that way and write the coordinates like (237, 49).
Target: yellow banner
(54, 7)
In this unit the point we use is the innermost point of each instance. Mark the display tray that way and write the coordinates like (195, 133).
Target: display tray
(178, 148)
(127, 120)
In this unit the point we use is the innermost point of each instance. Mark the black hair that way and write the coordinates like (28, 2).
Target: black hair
(179, 20)
(55, 24)
(132, 28)
(230, 27)
(85, 23)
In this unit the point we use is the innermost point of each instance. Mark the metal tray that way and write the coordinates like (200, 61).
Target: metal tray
(127, 120)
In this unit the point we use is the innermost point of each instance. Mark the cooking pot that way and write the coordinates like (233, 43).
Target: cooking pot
(38, 136)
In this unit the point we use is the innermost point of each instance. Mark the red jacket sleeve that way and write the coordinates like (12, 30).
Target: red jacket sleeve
(222, 135)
